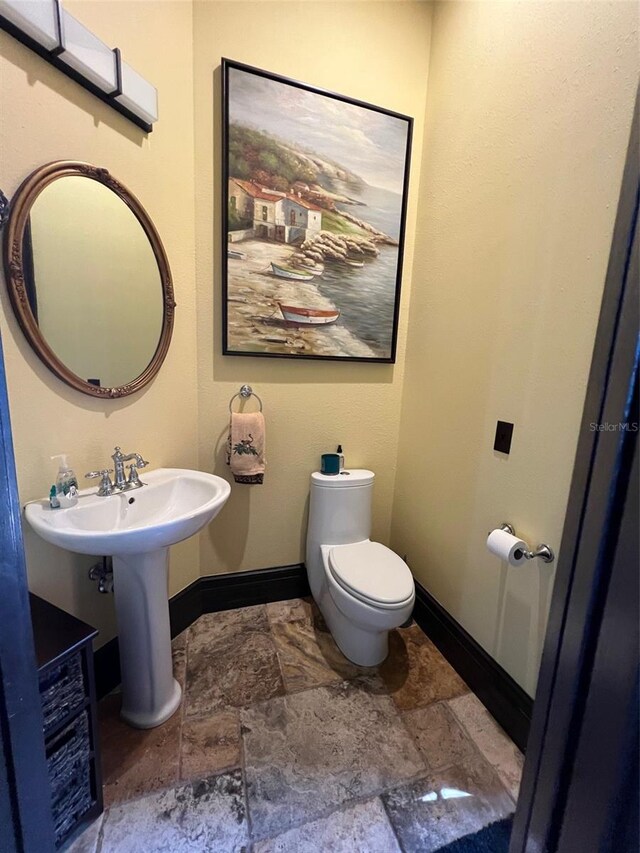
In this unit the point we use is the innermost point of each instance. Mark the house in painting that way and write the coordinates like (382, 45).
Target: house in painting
(241, 196)
(275, 215)
(253, 203)
(299, 218)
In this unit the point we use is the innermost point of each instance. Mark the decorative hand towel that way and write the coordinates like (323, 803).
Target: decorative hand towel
(245, 447)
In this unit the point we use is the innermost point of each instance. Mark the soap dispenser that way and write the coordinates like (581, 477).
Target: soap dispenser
(66, 481)
(341, 455)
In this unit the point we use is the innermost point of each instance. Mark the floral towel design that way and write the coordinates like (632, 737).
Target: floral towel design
(245, 448)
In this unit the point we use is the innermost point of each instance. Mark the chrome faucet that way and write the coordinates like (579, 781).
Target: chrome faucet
(120, 482)
(106, 486)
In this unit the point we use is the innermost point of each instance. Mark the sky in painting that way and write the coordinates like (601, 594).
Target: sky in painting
(368, 143)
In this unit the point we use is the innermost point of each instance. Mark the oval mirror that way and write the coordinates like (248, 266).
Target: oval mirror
(89, 279)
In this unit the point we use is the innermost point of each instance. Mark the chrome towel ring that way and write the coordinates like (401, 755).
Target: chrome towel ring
(245, 392)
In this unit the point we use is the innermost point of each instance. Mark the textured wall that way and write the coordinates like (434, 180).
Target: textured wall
(45, 116)
(528, 117)
(377, 52)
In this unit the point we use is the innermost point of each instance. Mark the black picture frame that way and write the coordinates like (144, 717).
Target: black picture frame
(283, 214)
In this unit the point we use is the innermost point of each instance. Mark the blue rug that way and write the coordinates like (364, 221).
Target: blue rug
(492, 839)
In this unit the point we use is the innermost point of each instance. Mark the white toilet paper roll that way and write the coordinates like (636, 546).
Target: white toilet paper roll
(507, 547)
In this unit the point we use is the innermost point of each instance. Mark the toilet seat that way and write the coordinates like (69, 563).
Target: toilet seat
(372, 573)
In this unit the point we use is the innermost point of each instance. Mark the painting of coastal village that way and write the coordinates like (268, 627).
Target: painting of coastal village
(315, 196)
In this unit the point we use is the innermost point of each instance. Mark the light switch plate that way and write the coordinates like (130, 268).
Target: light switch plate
(504, 433)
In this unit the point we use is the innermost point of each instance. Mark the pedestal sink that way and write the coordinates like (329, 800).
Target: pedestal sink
(136, 528)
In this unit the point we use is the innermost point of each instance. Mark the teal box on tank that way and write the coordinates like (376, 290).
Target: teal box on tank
(330, 463)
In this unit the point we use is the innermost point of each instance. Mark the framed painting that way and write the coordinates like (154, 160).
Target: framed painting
(314, 207)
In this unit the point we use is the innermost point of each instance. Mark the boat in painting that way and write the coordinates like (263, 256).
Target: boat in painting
(234, 253)
(351, 263)
(308, 316)
(288, 272)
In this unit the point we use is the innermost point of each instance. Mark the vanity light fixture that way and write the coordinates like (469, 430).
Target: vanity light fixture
(87, 55)
(57, 36)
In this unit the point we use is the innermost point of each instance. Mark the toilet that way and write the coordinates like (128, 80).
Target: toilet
(363, 589)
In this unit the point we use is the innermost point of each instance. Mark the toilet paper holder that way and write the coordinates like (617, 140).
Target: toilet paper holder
(543, 551)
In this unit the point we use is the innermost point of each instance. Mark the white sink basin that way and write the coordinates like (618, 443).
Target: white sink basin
(174, 504)
(136, 528)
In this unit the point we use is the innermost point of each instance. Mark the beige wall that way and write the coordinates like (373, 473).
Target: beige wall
(528, 116)
(45, 116)
(376, 52)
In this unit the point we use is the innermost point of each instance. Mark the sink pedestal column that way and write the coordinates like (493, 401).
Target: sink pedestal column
(150, 693)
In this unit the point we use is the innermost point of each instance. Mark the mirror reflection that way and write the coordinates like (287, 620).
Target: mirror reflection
(92, 281)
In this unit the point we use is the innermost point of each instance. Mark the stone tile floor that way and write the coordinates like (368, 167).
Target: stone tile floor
(281, 744)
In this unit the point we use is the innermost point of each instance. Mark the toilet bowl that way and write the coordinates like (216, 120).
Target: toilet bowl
(362, 588)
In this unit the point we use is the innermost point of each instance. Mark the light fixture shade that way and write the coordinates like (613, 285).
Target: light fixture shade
(87, 55)
(46, 27)
(138, 95)
(36, 18)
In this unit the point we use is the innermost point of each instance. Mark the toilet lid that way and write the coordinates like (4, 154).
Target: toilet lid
(373, 572)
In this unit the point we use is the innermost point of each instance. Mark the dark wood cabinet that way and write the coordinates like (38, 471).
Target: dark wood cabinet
(64, 656)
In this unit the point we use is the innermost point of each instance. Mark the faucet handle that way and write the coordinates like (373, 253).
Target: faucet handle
(106, 486)
(133, 481)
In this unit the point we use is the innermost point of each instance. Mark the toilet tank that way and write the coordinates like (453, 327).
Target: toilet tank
(339, 508)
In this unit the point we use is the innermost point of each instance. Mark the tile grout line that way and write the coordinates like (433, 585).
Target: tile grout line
(479, 752)
(250, 831)
(391, 826)
(275, 648)
(243, 776)
(376, 794)
(206, 716)
(492, 720)
(345, 805)
(243, 768)
(330, 812)
(476, 747)
(443, 771)
(401, 715)
(393, 829)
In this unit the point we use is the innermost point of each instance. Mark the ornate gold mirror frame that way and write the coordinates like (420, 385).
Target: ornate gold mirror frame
(14, 269)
